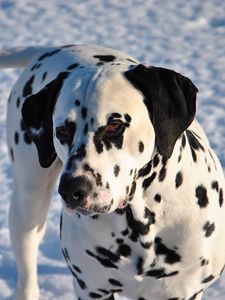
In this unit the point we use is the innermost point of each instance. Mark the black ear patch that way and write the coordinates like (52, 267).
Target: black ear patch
(37, 113)
(171, 101)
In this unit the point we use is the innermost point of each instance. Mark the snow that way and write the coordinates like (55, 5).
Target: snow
(187, 36)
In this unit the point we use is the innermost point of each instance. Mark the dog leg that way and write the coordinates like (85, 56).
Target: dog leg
(27, 222)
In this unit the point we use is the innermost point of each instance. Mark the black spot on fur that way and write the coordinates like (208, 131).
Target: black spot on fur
(193, 141)
(84, 112)
(209, 228)
(105, 58)
(146, 245)
(98, 178)
(194, 144)
(179, 179)
(131, 60)
(171, 256)
(115, 282)
(162, 173)
(66, 255)
(116, 290)
(36, 66)
(155, 160)
(147, 182)
(94, 295)
(72, 67)
(116, 170)
(16, 138)
(194, 156)
(80, 282)
(18, 102)
(107, 254)
(77, 102)
(125, 232)
(201, 194)
(139, 265)
(160, 273)
(141, 146)
(207, 279)
(127, 189)
(127, 118)
(12, 154)
(221, 197)
(87, 168)
(104, 260)
(204, 261)
(78, 270)
(157, 198)
(215, 185)
(183, 141)
(132, 190)
(103, 291)
(145, 170)
(27, 90)
(179, 157)
(119, 241)
(123, 250)
(131, 224)
(44, 76)
(65, 134)
(48, 54)
(85, 129)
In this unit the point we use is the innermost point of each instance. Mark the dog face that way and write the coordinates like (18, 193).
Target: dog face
(103, 135)
(104, 125)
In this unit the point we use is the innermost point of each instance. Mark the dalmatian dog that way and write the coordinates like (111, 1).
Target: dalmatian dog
(143, 193)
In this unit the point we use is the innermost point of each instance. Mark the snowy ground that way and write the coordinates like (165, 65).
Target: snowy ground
(188, 36)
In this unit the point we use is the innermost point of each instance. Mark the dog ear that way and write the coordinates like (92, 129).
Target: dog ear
(37, 114)
(171, 102)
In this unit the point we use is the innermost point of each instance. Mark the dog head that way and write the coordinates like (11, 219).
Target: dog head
(105, 124)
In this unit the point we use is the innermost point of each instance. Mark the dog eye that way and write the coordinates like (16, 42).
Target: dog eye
(62, 134)
(114, 127)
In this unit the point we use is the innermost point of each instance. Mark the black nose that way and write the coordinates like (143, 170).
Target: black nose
(74, 190)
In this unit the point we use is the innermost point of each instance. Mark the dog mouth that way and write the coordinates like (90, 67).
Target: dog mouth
(90, 208)
(71, 209)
